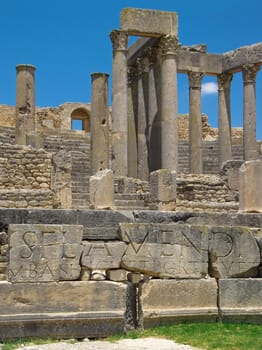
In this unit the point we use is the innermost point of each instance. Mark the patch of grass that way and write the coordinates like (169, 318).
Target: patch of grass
(209, 336)
(16, 343)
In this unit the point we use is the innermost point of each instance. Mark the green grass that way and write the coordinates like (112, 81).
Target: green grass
(209, 336)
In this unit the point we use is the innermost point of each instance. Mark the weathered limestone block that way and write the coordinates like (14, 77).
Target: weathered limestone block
(163, 189)
(230, 172)
(233, 252)
(79, 308)
(62, 181)
(240, 298)
(166, 250)
(103, 255)
(101, 188)
(117, 275)
(169, 300)
(250, 178)
(149, 22)
(43, 253)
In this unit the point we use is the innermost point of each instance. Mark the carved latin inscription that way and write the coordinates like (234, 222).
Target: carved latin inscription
(166, 250)
(42, 253)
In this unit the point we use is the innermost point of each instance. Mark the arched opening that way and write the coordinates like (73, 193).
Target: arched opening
(80, 120)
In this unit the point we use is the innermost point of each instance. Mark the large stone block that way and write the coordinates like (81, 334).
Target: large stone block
(42, 253)
(149, 22)
(103, 255)
(101, 188)
(171, 300)
(250, 179)
(166, 250)
(163, 188)
(233, 252)
(64, 309)
(241, 299)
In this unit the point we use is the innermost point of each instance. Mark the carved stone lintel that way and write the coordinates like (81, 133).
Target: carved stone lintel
(195, 80)
(249, 73)
(224, 81)
(119, 40)
(168, 45)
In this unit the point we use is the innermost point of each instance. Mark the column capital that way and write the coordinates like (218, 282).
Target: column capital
(131, 75)
(119, 40)
(249, 72)
(224, 81)
(168, 45)
(195, 80)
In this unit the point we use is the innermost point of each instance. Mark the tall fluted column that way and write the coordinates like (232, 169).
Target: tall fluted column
(99, 123)
(224, 117)
(25, 102)
(249, 72)
(132, 120)
(119, 103)
(195, 123)
(169, 138)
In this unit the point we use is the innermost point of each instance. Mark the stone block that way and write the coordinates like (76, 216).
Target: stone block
(240, 299)
(230, 172)
(103, 255)
(166, 250)
(117, 275)
(165, 301)
(101, 187)
(233, 252)
(64, 309)
(43, 253)
(250, 191)
(150, 23)
(163, 186)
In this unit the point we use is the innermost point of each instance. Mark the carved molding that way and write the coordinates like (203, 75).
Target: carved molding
(119, 40)
(224, 81)
(195, 79)
(168, 45)
(249, 72)
(131, 75)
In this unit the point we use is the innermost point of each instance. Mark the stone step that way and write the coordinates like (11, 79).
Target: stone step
(129, 203)
(80, 195)
(127, 196)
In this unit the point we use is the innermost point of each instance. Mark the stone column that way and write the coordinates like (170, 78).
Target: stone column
(169, 138)
(25, 102)
(99, 123)
(142, 122)
(195, 123)
(119, 103)
(132, 114)
(224, 117)
(249, 72)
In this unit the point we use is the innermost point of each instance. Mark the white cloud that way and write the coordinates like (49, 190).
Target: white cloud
(209, 88)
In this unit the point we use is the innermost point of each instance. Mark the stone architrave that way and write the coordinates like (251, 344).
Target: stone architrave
(99, 123)
(195, 123)
(250, 189)
(224, 118)
(44, 253)
(168, 115)
(103, 255)
(119, 103)
(101, 190)
(25, 102)
(233, 252)
(249, 72)
(166, 250)
(149, 22)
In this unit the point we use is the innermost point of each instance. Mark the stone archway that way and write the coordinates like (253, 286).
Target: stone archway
(82, 116)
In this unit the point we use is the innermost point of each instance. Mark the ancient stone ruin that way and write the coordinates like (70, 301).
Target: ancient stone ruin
(142, 218)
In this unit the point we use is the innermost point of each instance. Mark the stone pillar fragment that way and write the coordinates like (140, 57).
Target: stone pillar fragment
(169, 138)
(25, 102)
(250, 186)
(119, 103)
(101, 188)
(163, 189)
(249, 72)
(224, 117)
(195, 123)
(99, 123)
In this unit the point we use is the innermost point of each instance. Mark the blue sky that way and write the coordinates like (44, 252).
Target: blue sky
(68, 40)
